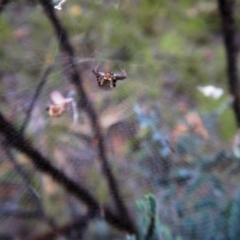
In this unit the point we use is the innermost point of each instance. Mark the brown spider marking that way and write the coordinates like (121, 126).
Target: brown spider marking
(111, 78)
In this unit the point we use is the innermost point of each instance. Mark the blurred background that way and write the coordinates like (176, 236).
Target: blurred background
(169, 127)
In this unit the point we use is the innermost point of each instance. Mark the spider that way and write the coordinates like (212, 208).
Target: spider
(109, 77)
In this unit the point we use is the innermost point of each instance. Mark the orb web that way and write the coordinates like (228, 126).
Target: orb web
(157, 138)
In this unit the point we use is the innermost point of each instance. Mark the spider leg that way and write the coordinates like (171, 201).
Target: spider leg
(111, 84)
(96, 72)
(120, 76)
(102, 81)
(95, 69)
(99, 81)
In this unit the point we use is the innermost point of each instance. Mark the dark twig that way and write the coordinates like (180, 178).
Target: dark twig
(151, 228)
(85, 103)
(25, 178)
(39, 212)
(77, 227)
(226, 9)
(37, 93)
(15, 163)
(3, 3)
(16, 140)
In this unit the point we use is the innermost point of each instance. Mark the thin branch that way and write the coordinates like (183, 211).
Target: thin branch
(37, 93)
(85, 103)
(39, 212)
(3, 3)
(25, 178)
(151, 228)
(16, 140)
(226, 9)
(77, 226)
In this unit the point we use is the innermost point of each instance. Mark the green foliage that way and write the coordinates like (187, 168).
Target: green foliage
(147, 14)
(234, 229)
(172, 43)
(147, 209)
(6, 37)
(149, 225)
(6, 32)
(229, 119)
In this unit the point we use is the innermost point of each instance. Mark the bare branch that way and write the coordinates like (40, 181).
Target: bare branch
(226, 9)
(86, 104)
(3, 3)
(37, 93)
(77, 226)
(16, 140)
(39, 212)
(25, 178)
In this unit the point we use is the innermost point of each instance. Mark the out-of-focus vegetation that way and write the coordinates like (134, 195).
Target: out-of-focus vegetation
(163, 135)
